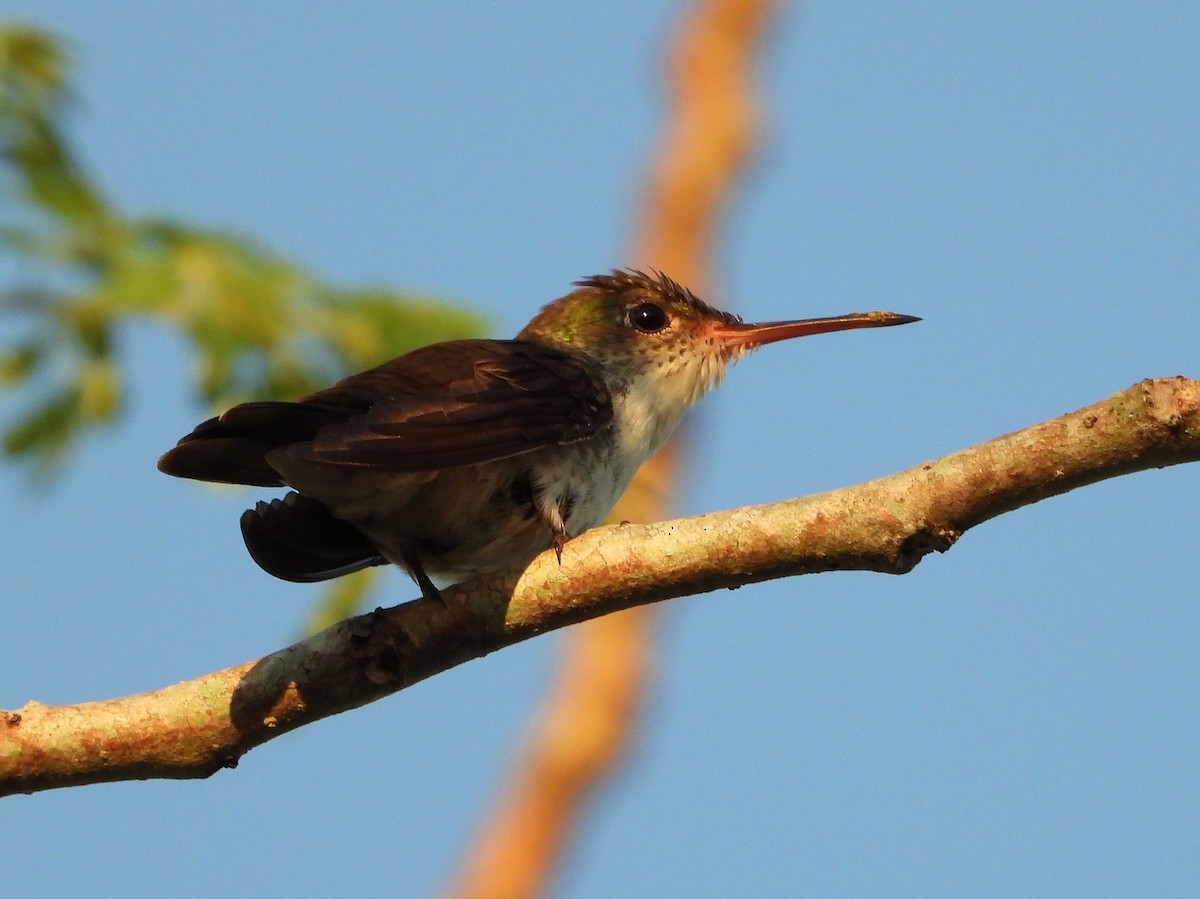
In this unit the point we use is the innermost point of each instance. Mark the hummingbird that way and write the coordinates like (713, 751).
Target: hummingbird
(468, 456)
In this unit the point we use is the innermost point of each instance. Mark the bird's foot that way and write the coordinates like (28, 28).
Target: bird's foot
(560, 539)
(428, 589)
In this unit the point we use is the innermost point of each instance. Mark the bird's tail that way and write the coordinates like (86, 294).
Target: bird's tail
(296, 539)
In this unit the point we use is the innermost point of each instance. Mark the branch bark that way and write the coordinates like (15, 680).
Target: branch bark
(888, 525)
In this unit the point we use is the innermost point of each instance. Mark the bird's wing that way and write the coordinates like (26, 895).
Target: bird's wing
(503, 398)
(451, 404)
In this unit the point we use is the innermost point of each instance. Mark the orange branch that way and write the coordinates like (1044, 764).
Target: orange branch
(583, 729)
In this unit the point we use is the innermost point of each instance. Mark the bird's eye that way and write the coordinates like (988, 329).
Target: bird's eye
(649, 318)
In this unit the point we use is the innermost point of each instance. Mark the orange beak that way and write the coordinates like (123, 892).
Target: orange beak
(736, 335)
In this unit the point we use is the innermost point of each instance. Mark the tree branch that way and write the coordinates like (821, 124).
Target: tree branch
(192, 729)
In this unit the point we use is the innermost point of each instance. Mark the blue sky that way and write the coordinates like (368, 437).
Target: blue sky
(1014, 718)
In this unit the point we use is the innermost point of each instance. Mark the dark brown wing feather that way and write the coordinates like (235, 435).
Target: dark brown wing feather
(514, 398)
(463, 402)
(232, 448)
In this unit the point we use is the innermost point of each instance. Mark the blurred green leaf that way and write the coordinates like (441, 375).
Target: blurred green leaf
(341, 599)
(17, 361)
(45, 430)
(99, 391)
(259, 326)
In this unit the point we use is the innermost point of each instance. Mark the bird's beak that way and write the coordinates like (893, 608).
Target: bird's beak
(735, 336)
